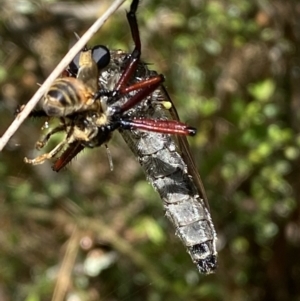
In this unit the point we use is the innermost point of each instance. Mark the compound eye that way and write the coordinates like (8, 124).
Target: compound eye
(74, 65)
(101, 56)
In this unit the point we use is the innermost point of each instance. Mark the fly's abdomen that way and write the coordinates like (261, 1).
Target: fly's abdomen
(168, 173)
(194, 227)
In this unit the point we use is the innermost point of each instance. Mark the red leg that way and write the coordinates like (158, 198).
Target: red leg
(142, 94)
(73, 150)
(134, 58)
(158, 79)
(159, 126)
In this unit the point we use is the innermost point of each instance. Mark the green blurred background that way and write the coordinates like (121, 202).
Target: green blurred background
(232, 68)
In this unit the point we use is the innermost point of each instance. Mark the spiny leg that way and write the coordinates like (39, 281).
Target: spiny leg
(144, 87)
(41, 143)
(173, 127)
(134, 58)
(42, 158)
(67, 140)
(73, 149)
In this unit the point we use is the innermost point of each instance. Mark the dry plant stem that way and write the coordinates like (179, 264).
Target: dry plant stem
(57, 71)
(65, 273)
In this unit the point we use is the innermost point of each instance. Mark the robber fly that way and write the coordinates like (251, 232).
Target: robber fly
(131, 98)
(168, 165)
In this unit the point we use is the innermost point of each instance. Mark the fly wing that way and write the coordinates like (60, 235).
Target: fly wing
(186, 152)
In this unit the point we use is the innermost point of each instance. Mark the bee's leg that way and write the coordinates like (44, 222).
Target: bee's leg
(69, 128)
(77, 139)
(42, 158)
(41, 143)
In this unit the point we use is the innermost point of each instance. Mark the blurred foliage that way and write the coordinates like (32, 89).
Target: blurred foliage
(233, 69)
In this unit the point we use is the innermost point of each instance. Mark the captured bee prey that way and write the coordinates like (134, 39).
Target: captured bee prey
(72, 100)
(108, 90)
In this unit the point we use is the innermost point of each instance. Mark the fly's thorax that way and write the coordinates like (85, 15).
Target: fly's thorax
(97, 119)
(89, 129)
(67, 96)
(101, 113)
(101, 119)
(85, 133)
(84, 127)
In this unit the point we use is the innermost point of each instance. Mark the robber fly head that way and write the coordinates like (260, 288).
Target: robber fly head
(100, 55)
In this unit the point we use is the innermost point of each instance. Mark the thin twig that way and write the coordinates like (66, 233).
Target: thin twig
(57, 71)
(64, 277)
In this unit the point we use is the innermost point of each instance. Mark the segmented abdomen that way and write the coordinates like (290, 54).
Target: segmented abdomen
(66, 96)
(167, 172)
